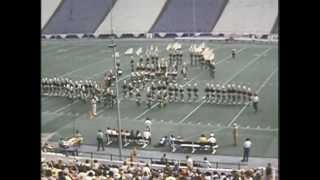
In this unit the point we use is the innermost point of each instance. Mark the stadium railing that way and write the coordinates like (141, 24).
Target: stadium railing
(264, 37)
(156, 162)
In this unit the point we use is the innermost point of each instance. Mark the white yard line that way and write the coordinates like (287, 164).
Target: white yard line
(244, 107)
(227, 81)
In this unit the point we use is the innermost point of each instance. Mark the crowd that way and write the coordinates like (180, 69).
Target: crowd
(131, 169)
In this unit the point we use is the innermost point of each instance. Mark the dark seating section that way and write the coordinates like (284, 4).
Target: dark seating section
(187, 35)
(205, 35)
(142, 35)
(178, 16)
(72, 36)
(128, 35)
(88, 36)
(78, 16)
(171, 35)
(107, 36)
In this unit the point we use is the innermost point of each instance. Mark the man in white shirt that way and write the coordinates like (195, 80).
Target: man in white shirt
(255, 100)
(108, 133)
(206, 163)
(189, 162)
(246, 150)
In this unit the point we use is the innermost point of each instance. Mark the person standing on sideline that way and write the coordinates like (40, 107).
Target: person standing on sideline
(255, 100)
(206, 163)
(79, 136)
(269, 172)
(235, 134)
(233, 53)
(100, 140)
(246, 150)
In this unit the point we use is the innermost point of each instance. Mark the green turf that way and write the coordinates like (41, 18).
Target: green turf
(89, 59)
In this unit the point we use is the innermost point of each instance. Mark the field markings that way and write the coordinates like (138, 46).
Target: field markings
(244, 107)
(146, 111)
(227, 81)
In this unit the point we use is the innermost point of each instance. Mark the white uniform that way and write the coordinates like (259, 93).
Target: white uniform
(94, 106)
(212, 140)
(148, 124)
(255, 99)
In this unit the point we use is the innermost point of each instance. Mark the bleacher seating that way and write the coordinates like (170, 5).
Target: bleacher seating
(47, 10)
(132, 168)
(81, 16)
(178, 16)
(247, 16)
(130, 16)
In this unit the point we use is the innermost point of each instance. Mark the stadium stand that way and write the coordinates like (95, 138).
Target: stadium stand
(47, 10)
(178, 16)
(275, 27)
(131, 16)
(248, 16)
(79, 16)
(132, 168)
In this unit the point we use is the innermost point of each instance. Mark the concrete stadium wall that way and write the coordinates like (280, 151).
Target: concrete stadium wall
(248, 16)
(189, 16)
(275, 29)
(48, 7)
(78, 16)
(131, 16)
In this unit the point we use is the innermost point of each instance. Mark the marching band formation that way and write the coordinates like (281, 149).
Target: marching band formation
(153, 81)
(153, 78)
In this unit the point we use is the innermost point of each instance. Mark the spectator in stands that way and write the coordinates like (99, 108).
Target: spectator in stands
(164, 159)
(145, 176)
(246, 150)
(176, 168)
(167, 170)
(269, 172)
(189, 162)
(203, 139)
(100, 140)
(146, 169)
(215, 176)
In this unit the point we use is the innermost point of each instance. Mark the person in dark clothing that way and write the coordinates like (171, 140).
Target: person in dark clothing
(100, 140)
(269, 172)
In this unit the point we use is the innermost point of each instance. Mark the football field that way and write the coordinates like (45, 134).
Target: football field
(256, 66)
